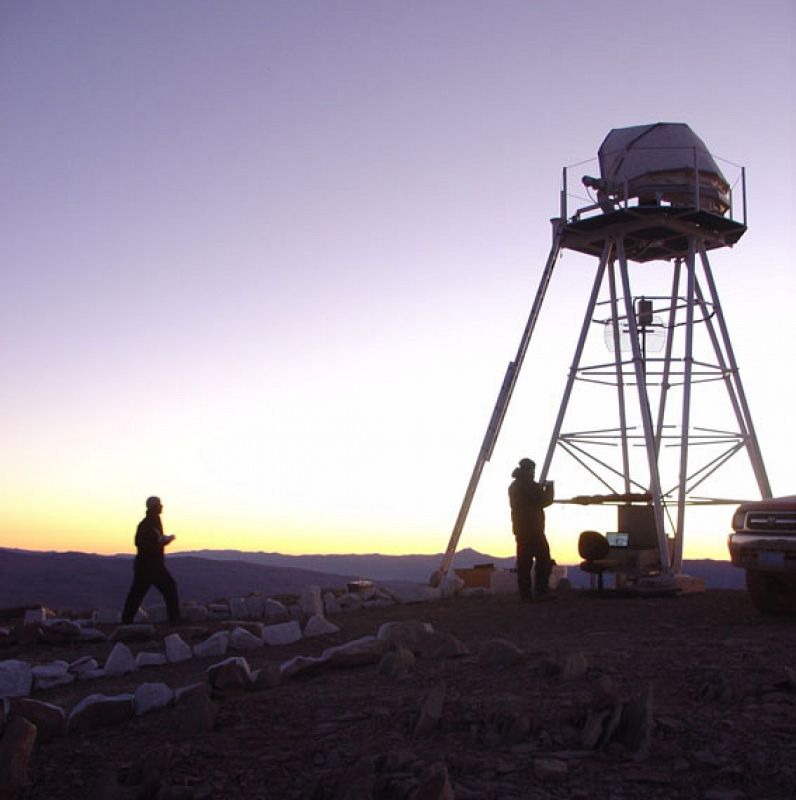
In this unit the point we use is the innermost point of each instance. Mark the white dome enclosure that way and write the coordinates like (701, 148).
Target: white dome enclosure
(661, 164)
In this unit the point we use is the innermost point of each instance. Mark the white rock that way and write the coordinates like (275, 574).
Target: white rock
(282, 633)
(149, 696)
(55, 669)
(318, 626)
(176, 648)
(83, 665)
(310, 601)
(94, 674)
(273, 608)
(405, 632)
(215, 645)
(144, 659)
(238, 608)
(255, 604)
(351, 601)
(299, 664)
(412, 592)
(330, 604)
(120, 661)
(241, 639)
(47, 683)
(107, 616)
(379, 602)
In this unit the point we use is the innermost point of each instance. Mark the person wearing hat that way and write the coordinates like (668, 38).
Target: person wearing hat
(528, 500)
(149, 568)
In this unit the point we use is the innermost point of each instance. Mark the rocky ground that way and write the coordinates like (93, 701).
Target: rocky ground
(585, 697)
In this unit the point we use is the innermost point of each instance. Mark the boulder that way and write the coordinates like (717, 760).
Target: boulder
(378, 602)
(267, 677)
(241, 639)
(149, 696)
(16, 678)
(255, 605)
(120, 661)
(358, 652)
(59, 630)
(49, 719)
(252, 627)
(144, 659)
(232, 673)
(34, 616)
(499, 653)
(431, 710)
(193, 613)
(331, 604)
(215, 645)
(319, 626)
(410, 634)
(451, 586)
(16, 747)
(238, 608)
(311, 602)
(282, 633)
(275, 610)
(184, 694)
(397, 664)
(99, 710)
(91, 635)
(350, 601)
(56, 673)
(82, 666)
(177, 649)
(302, 665)
(405, 593)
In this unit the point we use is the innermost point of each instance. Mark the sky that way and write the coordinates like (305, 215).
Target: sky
(269, 260)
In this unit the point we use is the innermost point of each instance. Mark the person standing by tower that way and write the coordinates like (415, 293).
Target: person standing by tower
(149, 568)
(528, 499)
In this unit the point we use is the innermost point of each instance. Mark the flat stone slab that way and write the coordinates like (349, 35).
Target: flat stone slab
(282, 633)
(150, 696)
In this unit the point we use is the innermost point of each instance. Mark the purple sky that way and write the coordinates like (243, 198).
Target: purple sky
(270, 259)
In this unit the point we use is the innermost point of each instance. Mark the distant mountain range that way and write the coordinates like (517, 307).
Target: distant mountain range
(82, 581)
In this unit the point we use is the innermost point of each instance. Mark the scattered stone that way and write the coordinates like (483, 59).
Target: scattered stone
(16, 678)
(144, 659)
(550, 769)
(232, 673)
(358, 652)
(441, 645)
(302, 665)
(82, 666)
(397, 664)
(177, 649)
(185, 693)
(241, 639)
(378, 602)
(311, 602)
(499, 653)
(137, 632)
(267, 677)
(331, 605)
(451, 586)
(215, 645)
(431, 710)
(91, 635)
(238, 608)
(49, 719)
(350, 601)
(282, 633)
(410, 634)
(120, 661)
(275, 610)
(255, 606)
(16, 747)
(149, 696)
(56, 631)
(319, 626)
(406, 593)
(99, 710)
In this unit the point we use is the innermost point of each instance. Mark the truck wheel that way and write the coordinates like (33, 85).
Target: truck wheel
(769, 593)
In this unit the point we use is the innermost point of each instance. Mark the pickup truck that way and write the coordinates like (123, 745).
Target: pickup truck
(763, 543)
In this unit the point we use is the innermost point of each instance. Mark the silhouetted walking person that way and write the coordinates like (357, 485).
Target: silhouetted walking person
(149, 568)
(528, 500)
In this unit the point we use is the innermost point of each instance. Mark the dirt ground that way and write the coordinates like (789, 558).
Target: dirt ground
(711, 678)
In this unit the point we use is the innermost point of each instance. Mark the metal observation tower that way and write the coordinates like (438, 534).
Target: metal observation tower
(660, 199)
